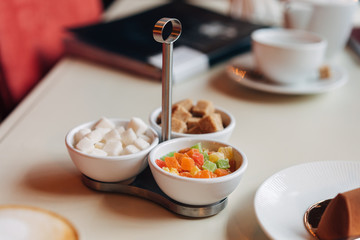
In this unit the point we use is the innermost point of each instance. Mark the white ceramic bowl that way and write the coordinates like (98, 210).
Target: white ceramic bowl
(195, 191)
(288, 56)
(223, 135)
(109, 168)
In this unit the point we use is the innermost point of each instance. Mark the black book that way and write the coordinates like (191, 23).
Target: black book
(207, 38)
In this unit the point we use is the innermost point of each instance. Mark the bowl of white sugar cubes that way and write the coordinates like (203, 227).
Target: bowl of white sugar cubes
(111, 150)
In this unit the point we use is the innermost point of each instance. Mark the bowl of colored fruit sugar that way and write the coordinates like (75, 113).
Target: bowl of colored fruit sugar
(194, 119)
(197, 171)
(111, 150)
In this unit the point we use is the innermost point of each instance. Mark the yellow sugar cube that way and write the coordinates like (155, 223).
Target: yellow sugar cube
(194, 170)
(214, 157)
(227, 151)
(174, 171)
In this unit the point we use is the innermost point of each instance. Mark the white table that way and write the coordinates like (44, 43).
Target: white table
(275, 131)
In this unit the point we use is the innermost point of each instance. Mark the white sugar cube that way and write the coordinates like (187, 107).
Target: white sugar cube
(113, 135)
(128, 137)
(130, 149)
(99, 145)
(120, 129)
(85, 145)
(81, 134)
(149, 133)
(98, 152)
(113, 148)
(138, 125)
(103, 131)
(96, 135)
(104, 123)
(141, 143)
(146, 138)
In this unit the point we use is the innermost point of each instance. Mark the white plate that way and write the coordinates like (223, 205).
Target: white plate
(257, 81)
(281, 201)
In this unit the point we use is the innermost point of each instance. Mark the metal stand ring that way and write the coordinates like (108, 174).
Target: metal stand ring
(159, 27)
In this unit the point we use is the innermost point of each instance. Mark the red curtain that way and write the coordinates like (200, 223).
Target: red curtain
(31, 33)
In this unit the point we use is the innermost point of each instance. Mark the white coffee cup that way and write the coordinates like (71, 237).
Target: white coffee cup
(27, 222)
(288, 56)
(332, 19)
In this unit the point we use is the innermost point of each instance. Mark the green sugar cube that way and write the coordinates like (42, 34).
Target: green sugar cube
(223, 163)
(197, 146)
(170, 154)
(206, 155)
(209, 166)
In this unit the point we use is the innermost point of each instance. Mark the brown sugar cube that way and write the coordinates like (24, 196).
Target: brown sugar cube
(211, 123)
(178, 126)
(186, 103)
(194, 130)
(181, 113)
(203, 108)
(192, 122)
(324, 72)
(158, 119)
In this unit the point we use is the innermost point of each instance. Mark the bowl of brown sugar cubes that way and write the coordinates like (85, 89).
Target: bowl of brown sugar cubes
(111, 150)
(196, 119)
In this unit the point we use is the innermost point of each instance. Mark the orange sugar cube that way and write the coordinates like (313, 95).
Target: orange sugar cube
(178, 156)
(205, 174)
(187, 163)
(221, 172)
(185, 174)
(184, 150)
(192, 151)
(171, 162)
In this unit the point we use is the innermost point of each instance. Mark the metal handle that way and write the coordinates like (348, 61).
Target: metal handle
(167, 64)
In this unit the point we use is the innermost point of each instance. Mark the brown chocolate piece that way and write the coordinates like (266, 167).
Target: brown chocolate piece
(211, 123)
(203, 108)
(341, 218)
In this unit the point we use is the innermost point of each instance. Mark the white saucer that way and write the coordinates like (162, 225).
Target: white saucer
(281, 201)
(259, 82)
